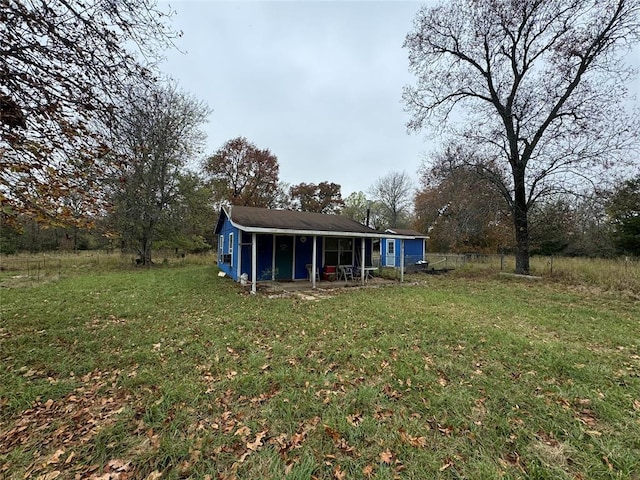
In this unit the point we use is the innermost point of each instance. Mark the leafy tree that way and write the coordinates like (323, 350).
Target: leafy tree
(460, 210)
(551, 226)
(190, 218)
(530, 88)
(572, 226)
(159, 134)
(356, 206)
(624, 212)
(393, 194)
(243, 174)
(63, 67)
(324, 197)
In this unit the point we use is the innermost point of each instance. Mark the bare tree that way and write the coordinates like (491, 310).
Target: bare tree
(243, 174)
(158, 134)
(393, 195)
(62, 68)
(533, 88)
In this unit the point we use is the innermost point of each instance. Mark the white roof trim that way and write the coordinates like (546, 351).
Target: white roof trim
(320, 233)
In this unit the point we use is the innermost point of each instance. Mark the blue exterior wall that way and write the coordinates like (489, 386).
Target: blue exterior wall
(304, 255)
(227, 231)
(413, 251)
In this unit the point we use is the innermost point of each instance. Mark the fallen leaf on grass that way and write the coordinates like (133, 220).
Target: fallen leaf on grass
(50, 475)
(386, 457)
(367, 471)
(55, 458)
(418, 442)
(155, 475)
(338, 473)
(355, 419)
(257, 443)
(118, 465)
(243, 431)
(334, 434)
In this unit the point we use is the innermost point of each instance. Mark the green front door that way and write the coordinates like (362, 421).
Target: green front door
(284, 258)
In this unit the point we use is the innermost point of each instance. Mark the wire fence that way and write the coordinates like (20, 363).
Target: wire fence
(29, 268)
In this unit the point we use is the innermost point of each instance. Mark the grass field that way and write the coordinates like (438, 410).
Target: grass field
(172, 372)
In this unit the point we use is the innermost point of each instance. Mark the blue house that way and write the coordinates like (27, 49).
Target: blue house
(402, 248)
(260, 244)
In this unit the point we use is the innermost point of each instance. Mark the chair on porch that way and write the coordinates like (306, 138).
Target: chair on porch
(345, 272)
(309, 269)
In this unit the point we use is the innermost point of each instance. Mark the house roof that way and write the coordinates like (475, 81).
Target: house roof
(265, 220)
(406, 232)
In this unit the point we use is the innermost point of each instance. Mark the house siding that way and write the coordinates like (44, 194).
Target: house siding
(413, 251)
(227, 233)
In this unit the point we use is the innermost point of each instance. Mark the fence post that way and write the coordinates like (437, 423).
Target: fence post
(502, 262)
(551, 266)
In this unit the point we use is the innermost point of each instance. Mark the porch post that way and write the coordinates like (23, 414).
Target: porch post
(273, 259)
(293, 269)
(240, 234)
(314, 265)
(254, 263)
(402, 260)
(362, 261)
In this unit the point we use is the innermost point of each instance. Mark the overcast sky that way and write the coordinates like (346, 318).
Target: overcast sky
(318, 83)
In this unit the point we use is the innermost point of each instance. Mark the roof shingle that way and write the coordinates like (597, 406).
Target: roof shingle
(293, 220)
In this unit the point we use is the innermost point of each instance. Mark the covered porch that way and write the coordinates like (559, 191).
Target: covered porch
(308, 259)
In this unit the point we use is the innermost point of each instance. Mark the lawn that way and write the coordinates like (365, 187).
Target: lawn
(173, 372)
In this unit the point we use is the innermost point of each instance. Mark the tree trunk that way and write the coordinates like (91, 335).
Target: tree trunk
(145, 251)
(521, 222)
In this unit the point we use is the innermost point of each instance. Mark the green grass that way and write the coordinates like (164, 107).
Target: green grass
(176, 372)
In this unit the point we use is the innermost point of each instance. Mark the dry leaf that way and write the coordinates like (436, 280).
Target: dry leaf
(257, 443)
(386, 457)
(50, 475)
(243, 431)
(355, 419)
(367, 471)
(155, 475)
(55, 458)
(334, 434)
(338, 473)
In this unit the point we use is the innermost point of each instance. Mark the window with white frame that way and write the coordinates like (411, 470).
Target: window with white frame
(231, 247)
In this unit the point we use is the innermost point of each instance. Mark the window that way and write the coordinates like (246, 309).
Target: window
(231, 247)
(220, 247)
(338, 251)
